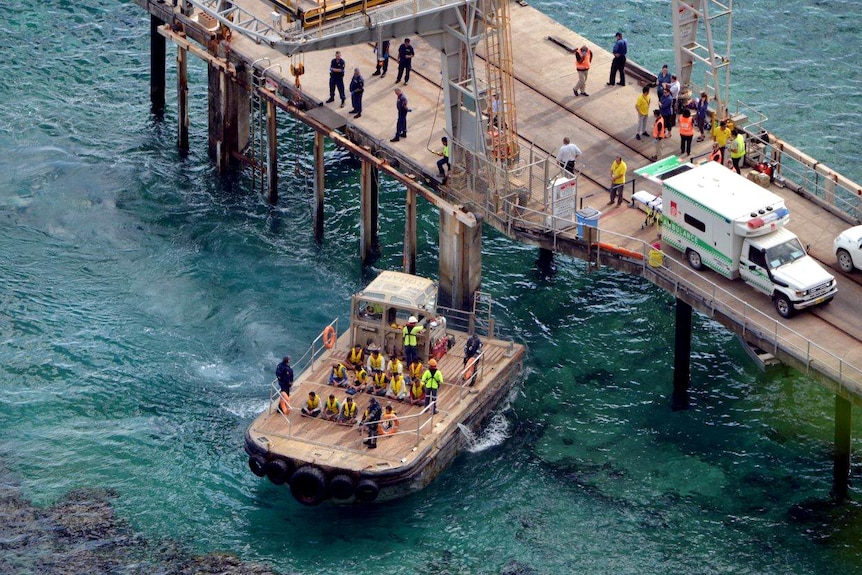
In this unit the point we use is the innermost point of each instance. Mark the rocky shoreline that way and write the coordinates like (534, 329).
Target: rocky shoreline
(81, 535)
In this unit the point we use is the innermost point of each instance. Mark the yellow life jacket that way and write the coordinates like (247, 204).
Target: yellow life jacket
(397, 384)
(376, 363)
(380, 379)
(417, 390)
(350, 409)
(361, 376)
(312, 404)
(416, 370)
(339, 371)
(331, 406)
(356, 356)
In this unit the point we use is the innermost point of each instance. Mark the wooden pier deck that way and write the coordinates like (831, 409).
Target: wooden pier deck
(824, 342)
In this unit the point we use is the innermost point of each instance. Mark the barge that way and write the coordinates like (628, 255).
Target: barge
(324, 460)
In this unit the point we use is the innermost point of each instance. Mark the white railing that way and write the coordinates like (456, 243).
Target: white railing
(716, 299)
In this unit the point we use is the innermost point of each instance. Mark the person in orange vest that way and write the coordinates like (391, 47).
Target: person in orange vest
(583, 58)
(659, 133)
(686, 132)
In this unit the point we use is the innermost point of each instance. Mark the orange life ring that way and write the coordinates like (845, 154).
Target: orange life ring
(389, 425)
(329, 337)
(283, 403)
(618, 250)
(470, 369)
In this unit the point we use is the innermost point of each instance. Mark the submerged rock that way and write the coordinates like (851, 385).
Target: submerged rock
(81, 535)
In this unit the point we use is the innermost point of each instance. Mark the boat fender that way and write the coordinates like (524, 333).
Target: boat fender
(341, 487)
(329, 337)
(308, 485)
(278, 470)
(367, 490)
(257, 464)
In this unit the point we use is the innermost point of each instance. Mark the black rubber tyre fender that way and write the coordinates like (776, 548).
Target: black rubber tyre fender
(367, 490)
(278, 470)
(308, 485)
(341, 487)
(257, 464)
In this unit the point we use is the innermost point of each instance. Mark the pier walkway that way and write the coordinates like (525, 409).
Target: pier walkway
(824, 342)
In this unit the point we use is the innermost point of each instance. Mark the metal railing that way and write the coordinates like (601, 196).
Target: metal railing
(688, 282)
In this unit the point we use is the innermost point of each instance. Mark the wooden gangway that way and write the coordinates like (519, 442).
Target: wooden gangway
(824, 342)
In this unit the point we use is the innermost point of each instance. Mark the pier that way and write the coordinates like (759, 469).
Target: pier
(490, 183)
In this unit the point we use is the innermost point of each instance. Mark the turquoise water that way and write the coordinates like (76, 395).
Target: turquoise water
(145, 302)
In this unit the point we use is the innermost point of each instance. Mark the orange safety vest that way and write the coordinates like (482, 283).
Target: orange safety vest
(658, 130)
(584, 64)
(686, 126)
(715, 156)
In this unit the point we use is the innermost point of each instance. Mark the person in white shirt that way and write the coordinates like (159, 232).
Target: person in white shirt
(567, 155)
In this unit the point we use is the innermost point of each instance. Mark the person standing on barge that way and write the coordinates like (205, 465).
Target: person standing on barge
(371, 419)
(431, 379)
(284, 374)
(410, 332)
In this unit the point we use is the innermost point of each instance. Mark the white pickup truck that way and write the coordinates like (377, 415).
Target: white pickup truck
(729, 224)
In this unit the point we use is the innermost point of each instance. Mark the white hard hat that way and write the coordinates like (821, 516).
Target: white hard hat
(412, 319)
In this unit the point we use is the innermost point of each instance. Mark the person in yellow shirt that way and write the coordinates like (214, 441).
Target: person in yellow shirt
(642, 107)
(618, 179)
(721, 135)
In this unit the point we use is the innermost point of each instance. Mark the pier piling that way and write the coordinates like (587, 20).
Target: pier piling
(271, 152)
(410, 231)
(157, 67)
(841, 467)
(319, 185)
(681, 356)
(370, 211)
(182, 99)
(460, 261)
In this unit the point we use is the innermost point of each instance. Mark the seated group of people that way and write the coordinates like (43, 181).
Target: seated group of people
(348, 412)
(377, 376)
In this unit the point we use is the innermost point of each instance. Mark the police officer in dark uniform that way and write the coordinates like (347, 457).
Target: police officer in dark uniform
(284, 374)
(371, 419)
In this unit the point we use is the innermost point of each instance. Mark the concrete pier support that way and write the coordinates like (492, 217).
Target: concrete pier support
(681, 356)
(460, 261)
(158, 52)
(319, 185)
(183, 100)
(410, 232)
(545, 263)
(370, 212)
(271, 152)
(841, 467)
(229, 113)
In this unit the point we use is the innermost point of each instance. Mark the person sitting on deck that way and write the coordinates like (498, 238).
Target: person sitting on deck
(312, 405)
(397, 387)
(359, 382)
(376, 361)
(417, 392)
(348, 412)
(371, 419)
(414, 371)
(356, 357)
(338, 377)
(378, 385)
(331, 409)
(395, 366)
